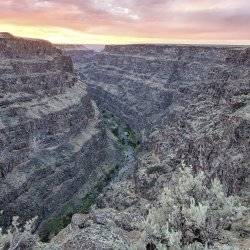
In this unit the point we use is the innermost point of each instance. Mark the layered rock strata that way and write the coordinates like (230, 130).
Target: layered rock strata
(192, 101)
(53, 146)
(188, 103)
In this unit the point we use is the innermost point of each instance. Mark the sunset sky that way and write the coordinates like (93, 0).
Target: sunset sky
(128, 21)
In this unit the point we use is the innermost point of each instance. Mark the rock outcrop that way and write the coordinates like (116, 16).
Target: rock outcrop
(53, 147)
(188, 103)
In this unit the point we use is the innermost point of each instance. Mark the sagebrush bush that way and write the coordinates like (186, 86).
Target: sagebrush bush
(190, 215)
(18, 237)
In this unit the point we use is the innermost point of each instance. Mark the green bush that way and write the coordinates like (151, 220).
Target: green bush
(87, 202)
(54, 226)
(132, 138)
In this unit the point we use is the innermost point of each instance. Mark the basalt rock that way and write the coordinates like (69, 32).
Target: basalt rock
(53, 146)
(190, 104)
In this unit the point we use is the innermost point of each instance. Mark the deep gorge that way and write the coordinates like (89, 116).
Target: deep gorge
(88, 140)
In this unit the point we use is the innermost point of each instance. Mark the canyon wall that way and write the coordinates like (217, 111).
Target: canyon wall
(53, 145)
(192, 101)
(189, 104)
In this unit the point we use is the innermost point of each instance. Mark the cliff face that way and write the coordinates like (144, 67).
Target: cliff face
(188, 103)
(52, 144)
(145, 80)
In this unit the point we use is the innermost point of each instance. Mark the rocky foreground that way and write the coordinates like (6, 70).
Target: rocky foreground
(53, 146)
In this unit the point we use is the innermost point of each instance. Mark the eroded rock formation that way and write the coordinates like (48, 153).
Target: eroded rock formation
(192, 101)
(53, 146)
(190, 104)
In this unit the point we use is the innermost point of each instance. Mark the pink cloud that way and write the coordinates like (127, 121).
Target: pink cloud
(180, 19)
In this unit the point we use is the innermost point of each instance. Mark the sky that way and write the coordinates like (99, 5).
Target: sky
(128, 21)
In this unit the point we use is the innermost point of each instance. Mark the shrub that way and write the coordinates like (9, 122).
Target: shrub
(190, 215)
(132, 138)
(54, 226)
(18, 237)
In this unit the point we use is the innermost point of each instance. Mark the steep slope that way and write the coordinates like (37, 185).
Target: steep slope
(188, 103)
(53, 146)
(198, 96)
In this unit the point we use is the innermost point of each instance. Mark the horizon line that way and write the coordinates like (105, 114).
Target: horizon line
(180, 42)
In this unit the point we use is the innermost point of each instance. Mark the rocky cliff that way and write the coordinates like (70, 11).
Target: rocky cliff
(188, 103)
(193, 101)
(53, 146)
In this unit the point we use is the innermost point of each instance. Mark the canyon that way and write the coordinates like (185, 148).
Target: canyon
(187, 104)
(70, 117)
